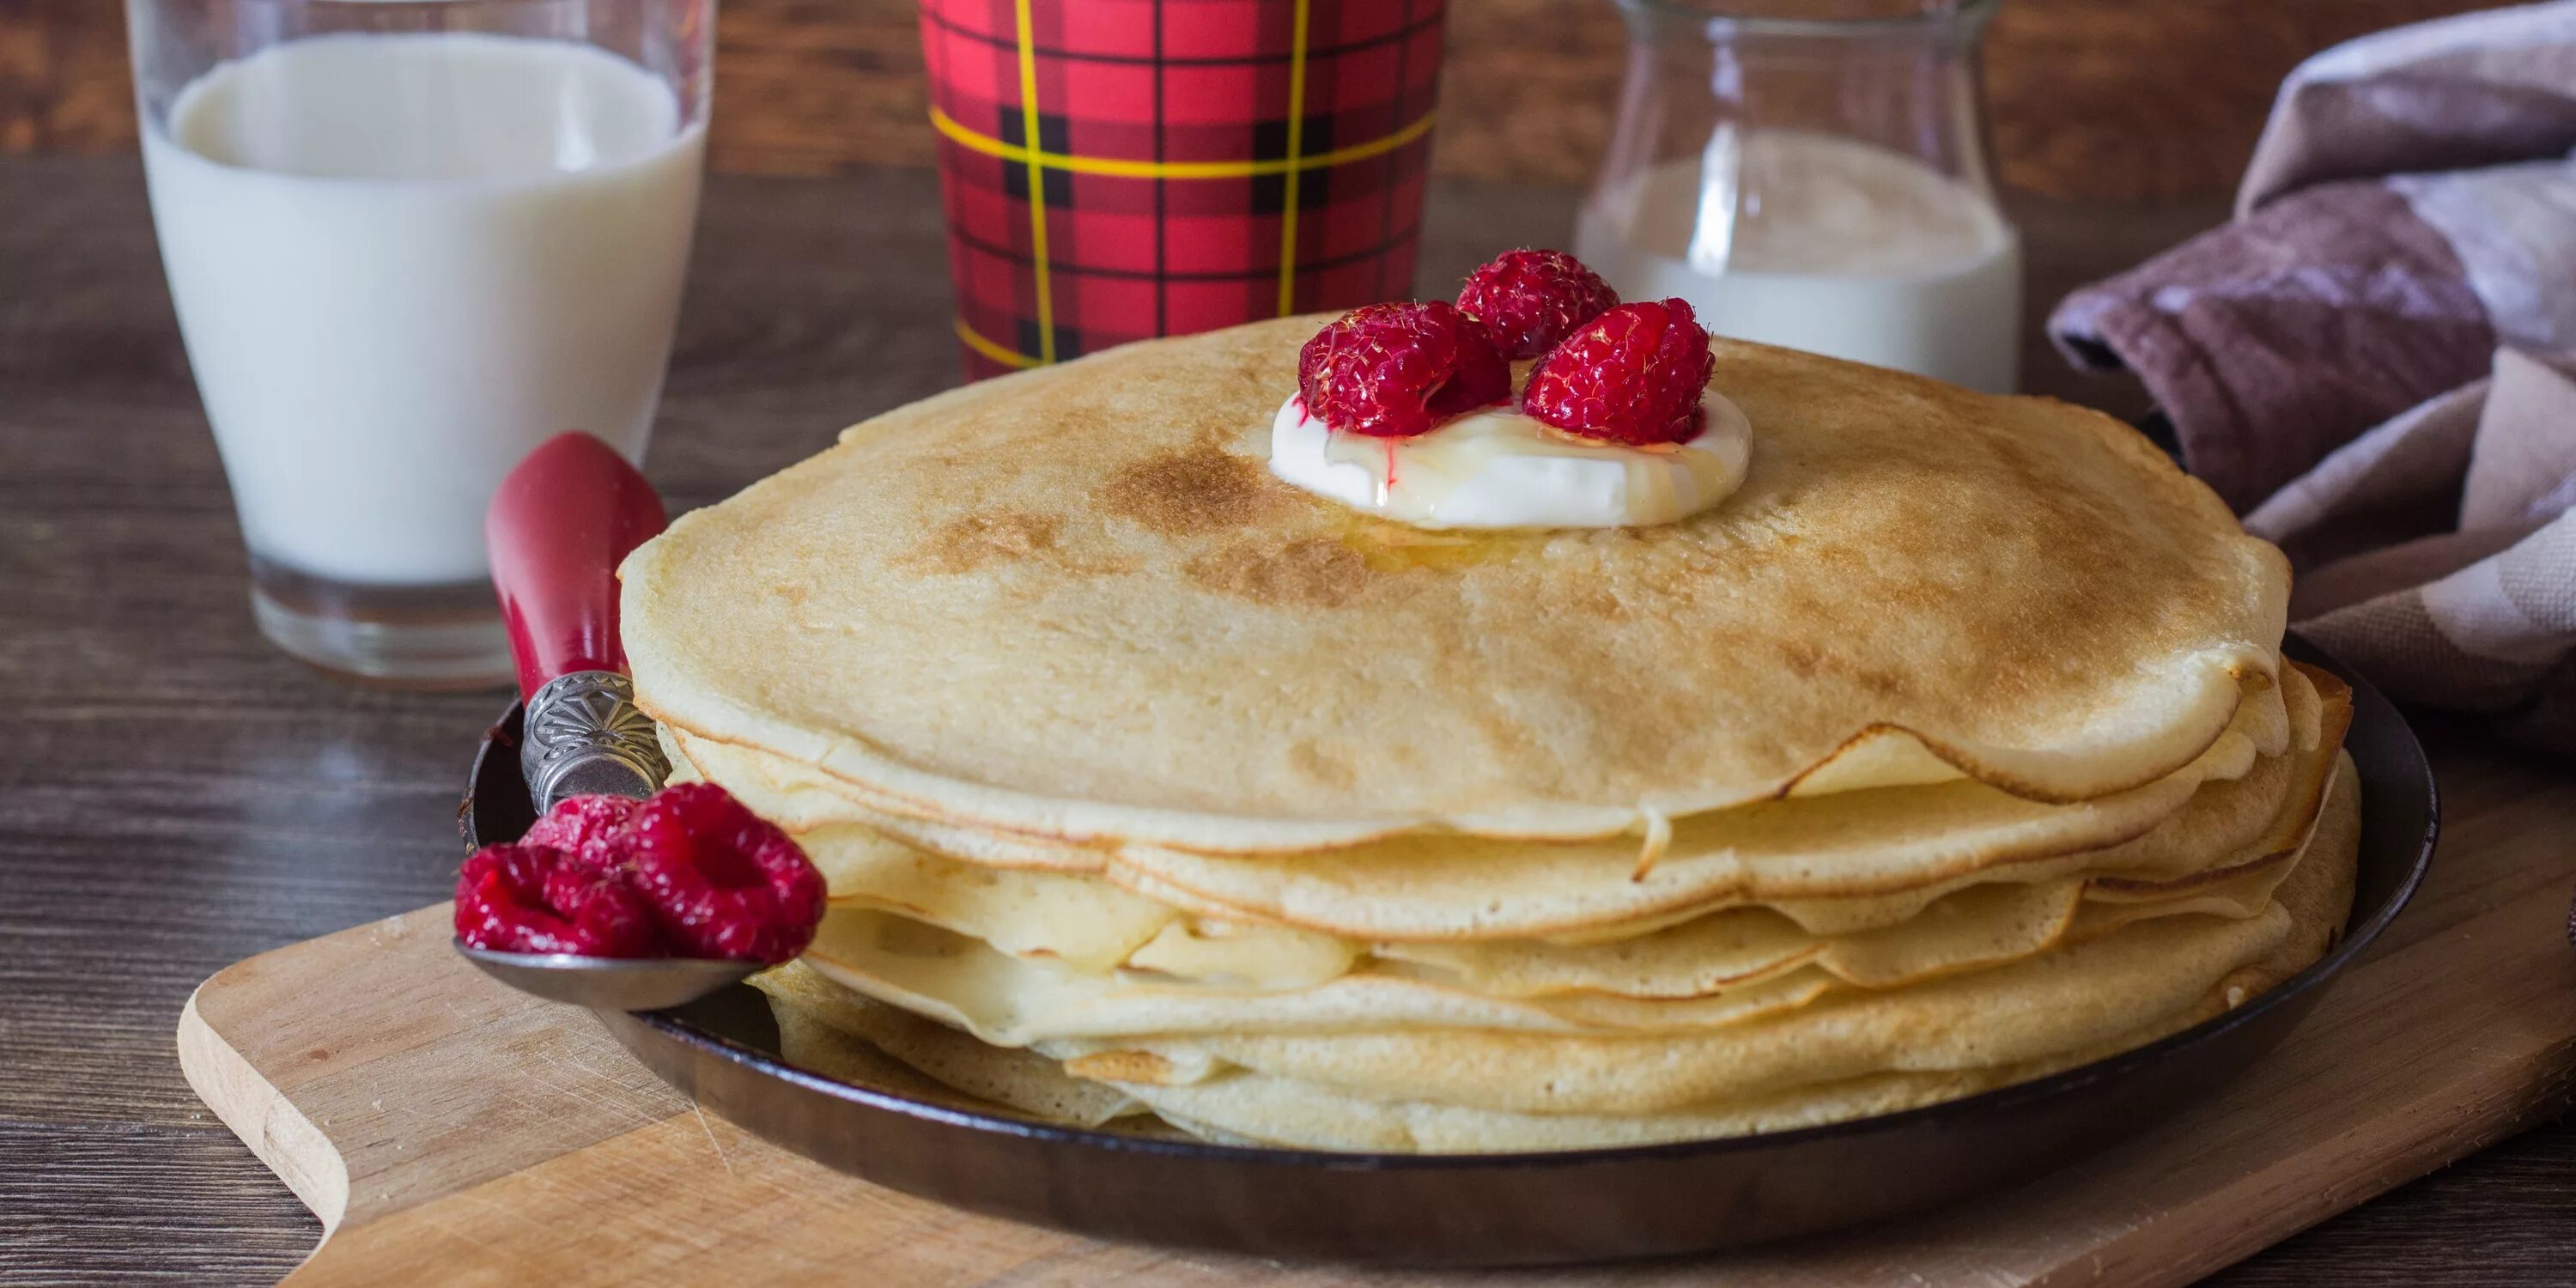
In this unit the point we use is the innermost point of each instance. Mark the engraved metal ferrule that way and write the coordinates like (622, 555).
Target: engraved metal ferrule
(584, 734)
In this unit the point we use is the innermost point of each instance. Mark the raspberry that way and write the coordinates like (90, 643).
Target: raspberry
(690, 872)
(591, 828)
(1529, 300)
(724, 883)
(1634, 375)
(1396, 370)
(535, 899)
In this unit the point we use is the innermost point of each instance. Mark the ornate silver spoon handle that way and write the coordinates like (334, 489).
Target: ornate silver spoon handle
(585, 735)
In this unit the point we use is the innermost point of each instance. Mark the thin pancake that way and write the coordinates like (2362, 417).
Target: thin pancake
(1017, 1001)
(810, 1007)
(1262, 1108)
(1814, 858)
(1092, 926)
(1073, 603)
(1810, 856)
(2088, 993)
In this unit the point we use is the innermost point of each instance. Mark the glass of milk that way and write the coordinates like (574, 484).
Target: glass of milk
(1812, 173)
(409, 240)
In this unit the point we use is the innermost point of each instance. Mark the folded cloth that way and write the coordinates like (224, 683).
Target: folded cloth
(2272, 340)
(2438, 551)
(2380, 343)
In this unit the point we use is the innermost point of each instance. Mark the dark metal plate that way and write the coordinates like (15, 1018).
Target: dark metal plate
(1504, 1209)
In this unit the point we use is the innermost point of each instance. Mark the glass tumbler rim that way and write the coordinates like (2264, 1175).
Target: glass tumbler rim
(1762, 18)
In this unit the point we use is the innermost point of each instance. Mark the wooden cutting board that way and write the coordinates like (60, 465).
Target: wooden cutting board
(448, 1130)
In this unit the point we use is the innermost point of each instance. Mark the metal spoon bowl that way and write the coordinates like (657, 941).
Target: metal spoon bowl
(609, 983)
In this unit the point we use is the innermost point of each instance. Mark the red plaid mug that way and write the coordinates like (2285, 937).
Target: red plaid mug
(1198, 163)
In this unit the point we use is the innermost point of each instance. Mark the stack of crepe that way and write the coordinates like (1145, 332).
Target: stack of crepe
(1955, 748)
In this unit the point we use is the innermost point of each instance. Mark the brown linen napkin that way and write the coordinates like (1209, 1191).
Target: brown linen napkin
(2382, 344)
(2480, 90)
(2277, 337)
(2473, 610)
(2411, 205)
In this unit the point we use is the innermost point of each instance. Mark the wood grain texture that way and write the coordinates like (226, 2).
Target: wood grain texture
(176, 796)
(2091, 98)
(443, 1126)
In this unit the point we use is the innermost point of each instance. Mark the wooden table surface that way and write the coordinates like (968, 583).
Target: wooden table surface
(176, 795)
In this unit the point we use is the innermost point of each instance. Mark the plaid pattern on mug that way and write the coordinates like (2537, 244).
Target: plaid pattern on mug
(1199, 163)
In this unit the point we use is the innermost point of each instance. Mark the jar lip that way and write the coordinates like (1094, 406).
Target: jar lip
(1714, 13)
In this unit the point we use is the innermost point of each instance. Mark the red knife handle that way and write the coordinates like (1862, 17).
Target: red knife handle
(557, 529)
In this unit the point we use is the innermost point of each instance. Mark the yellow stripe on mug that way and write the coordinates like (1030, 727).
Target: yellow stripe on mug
(1120, 167)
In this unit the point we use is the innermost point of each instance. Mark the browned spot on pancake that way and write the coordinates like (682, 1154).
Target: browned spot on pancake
(1808, 661)
(1593, 601)
(1508, 736)
(1883, 682)
(1321, 764)
(1804, 659)
(1312, 573)
(1186, 492)
(966, 544)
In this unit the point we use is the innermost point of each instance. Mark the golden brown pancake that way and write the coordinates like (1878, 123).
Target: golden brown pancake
(1074, 603)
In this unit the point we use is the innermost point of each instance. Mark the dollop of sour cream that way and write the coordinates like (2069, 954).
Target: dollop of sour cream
(1497, 468)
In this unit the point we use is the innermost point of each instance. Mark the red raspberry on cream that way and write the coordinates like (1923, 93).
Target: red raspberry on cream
(1400, 411)
(1397, 370)
(1529, 300)
(1634, 375)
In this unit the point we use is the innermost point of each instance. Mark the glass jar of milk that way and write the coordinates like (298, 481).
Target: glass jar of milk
(1812, 173)
(408, 241)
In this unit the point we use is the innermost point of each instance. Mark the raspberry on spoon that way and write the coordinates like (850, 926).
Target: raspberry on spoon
(689, 873)
(724, 882)
(1397, 370)
(1634, 375)
(535, 899)
(591, 828)
(1529, 300)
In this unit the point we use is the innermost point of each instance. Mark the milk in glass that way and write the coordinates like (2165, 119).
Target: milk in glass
(400, 261)
(1823, 244)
